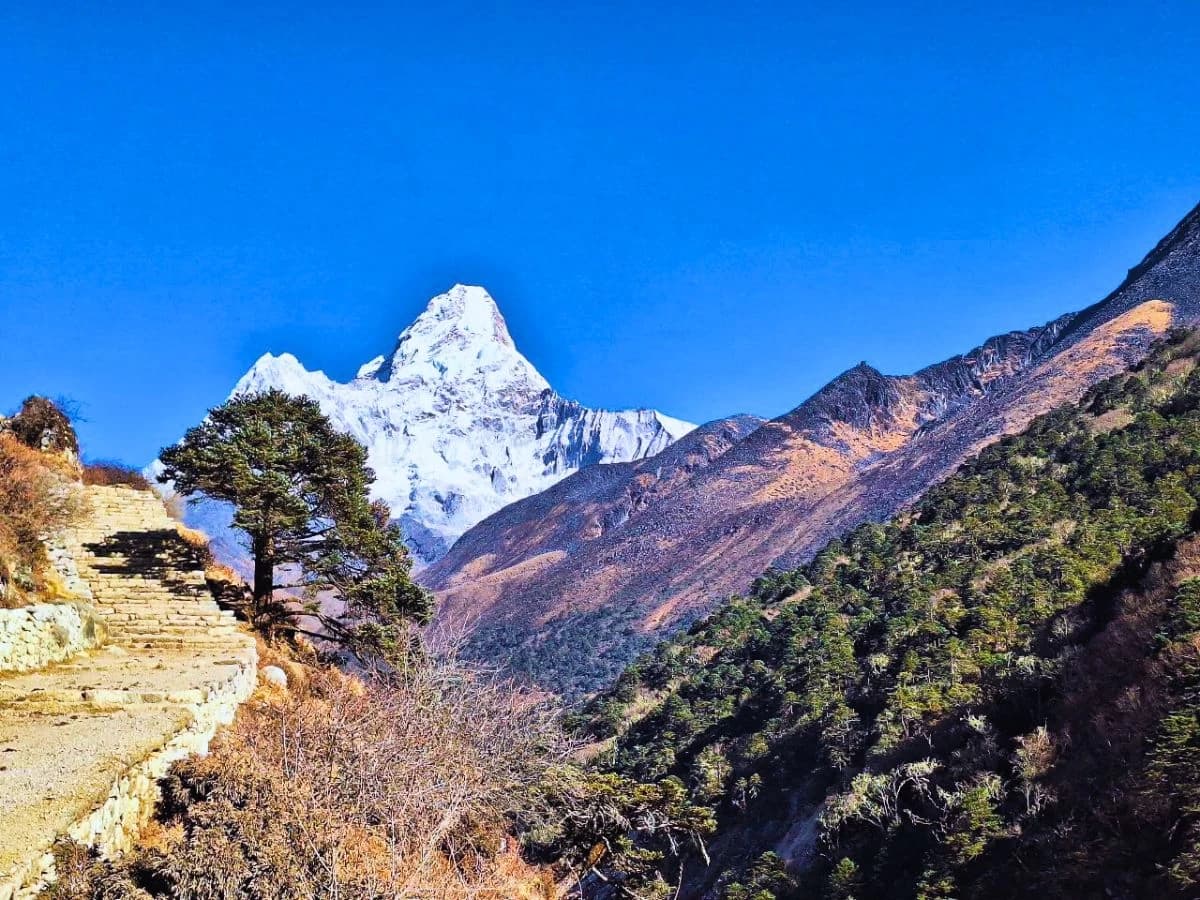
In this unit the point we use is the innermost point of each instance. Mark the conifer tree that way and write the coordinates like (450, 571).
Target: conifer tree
(299, 489)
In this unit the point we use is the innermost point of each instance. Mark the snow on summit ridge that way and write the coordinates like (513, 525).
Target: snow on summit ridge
(462, 335)
(458, 423)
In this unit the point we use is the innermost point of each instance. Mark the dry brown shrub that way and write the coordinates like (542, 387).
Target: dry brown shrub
(194, 538)
(81, 875)
(361, 788)
(215, 571)
(109, 473)
(43, 424)
(38, 496)
(228, 587)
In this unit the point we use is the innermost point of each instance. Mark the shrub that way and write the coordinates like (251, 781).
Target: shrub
(108, 472)
(44, 425)
(356, 789)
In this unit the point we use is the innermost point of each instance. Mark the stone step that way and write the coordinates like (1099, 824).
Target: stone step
(169, 585)
(186, 594)
(181, 603)
(131, 603)
(148, 583)
(100, 561)
(147, 576)
(178, 611)
(189, 600)
(175, 607)
(165, 583)
(116, 628)
(166, 615)
(112, 572)
(172, 644)
(184, 605)
(210, 629)
(123, 621)
(155, 529)
(141, 589)
(169, 618)
(161, 582)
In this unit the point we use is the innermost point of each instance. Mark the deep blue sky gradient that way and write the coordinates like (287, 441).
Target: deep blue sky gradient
(707, 208)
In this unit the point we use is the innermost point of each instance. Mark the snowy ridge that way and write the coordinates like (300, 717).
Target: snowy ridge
(457, 423)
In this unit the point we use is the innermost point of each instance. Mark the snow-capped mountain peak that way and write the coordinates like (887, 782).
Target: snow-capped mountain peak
(463, 316)
(284, 372)
(460, 339)
(458, 423)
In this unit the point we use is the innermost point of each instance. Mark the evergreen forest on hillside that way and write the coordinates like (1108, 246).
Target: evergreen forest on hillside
(997, 694)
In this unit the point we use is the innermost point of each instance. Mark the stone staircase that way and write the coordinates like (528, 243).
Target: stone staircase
(147, 582)
(84, 742)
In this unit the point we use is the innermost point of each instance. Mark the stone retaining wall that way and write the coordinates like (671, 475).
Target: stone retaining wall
(33, 637)
(143, 592)
(113, 827)
(62, 560)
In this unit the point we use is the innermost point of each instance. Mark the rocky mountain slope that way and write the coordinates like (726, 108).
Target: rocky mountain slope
(597, 500)
(858, 450)
(457, 422)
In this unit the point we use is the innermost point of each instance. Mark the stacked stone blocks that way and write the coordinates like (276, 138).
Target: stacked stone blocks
(173, 663)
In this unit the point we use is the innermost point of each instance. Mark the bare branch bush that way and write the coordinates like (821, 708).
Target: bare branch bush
(396, 786)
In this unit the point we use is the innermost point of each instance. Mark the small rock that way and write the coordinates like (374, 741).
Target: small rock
(275, 676)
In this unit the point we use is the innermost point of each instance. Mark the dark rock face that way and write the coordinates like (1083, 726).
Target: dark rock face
(962, 379)
(660, 549)
(1168, 272)
(581, 435)
(865, 398)
(422, 542)
(859, 398)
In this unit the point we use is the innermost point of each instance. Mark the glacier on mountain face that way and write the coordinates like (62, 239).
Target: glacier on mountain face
(457, 423)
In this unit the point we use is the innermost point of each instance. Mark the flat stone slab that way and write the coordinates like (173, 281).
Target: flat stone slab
(116, 677)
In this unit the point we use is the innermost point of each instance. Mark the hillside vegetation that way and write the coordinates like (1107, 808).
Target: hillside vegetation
(38, 495)
(996, 694)
(336, 786)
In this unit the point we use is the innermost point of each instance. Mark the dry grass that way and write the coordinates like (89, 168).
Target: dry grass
(354, 787)
(38, 495)
(194, 538)
(114, 473)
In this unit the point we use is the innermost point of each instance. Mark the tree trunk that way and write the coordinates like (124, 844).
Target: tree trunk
(264, 575)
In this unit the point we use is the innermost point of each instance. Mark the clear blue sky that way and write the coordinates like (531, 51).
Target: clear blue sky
(707, 208)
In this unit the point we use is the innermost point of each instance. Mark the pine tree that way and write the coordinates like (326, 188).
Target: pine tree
(299, 489)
